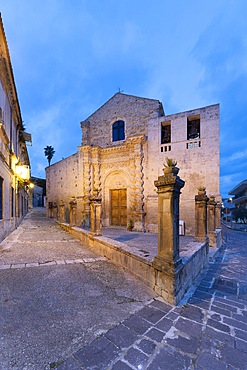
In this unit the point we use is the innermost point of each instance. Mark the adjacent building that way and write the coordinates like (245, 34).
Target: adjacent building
(124, 146)
(240, 194)
(14, 159)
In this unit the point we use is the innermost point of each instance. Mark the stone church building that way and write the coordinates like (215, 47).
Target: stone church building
(124, 146)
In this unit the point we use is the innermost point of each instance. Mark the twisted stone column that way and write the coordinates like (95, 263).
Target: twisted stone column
(135, 145)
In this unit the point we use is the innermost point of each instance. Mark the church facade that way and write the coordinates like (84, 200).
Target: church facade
(124, 146)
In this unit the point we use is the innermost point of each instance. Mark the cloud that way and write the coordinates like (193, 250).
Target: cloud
(238, 155)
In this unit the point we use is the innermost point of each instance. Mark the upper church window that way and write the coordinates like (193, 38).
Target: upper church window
(193, 128)
(165, 132)
(118, 131)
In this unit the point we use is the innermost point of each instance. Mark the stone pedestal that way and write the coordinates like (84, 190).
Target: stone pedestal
(168, 262)
(72, 212)
(201, 217)
(61, 213)
(95, 215)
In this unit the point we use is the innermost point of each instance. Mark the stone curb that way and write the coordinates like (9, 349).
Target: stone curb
(52, 263)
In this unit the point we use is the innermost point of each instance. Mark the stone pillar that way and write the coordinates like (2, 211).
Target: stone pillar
(218, 215)
(61, 213)
(201, 216)
(168, 188)
(168, 264)
(96, 158)
(72, 213)
(211, 221)
(87, 183)
(54, 210)
(95, 215)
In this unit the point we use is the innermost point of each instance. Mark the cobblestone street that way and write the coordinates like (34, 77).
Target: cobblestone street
(65, 307)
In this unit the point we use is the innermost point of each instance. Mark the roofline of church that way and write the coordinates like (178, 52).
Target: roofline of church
(133, 96)
(192, 110)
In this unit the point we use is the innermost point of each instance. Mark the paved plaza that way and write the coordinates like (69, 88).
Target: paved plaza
(63, 306)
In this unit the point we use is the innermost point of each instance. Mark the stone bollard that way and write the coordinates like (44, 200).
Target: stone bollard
(201, 216)
(211, 221)
(95, 215)
(61, 211)
(72, 213)
(168, 262)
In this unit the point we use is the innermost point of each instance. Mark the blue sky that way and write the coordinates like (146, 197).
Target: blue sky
(70, 56)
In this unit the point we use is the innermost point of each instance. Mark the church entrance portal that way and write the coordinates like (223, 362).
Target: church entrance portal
(119, 207)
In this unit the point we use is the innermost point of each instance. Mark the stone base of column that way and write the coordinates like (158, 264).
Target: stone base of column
(201, 239)
(169, 266)
(212, 239)
(168, 279)
(215, 238)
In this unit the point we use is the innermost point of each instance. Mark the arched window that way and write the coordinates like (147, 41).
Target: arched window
(118, 131)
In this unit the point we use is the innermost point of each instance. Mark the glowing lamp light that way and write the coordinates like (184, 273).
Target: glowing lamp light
(23, 172)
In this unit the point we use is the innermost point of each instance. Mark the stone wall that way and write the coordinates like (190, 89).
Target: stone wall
(64, 181)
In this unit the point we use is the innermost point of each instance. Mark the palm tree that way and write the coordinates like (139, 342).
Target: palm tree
(49, 153)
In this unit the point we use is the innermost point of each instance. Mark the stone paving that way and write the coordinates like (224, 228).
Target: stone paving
(145, 245)
(209, 331)
(57, 295)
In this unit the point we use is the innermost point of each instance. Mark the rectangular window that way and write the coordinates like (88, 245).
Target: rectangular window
(193, 128)
(1, 198)
(165, 132)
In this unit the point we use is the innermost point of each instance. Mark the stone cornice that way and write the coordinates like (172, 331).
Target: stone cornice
(3, 134)
(7, 75)
(141, 139)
